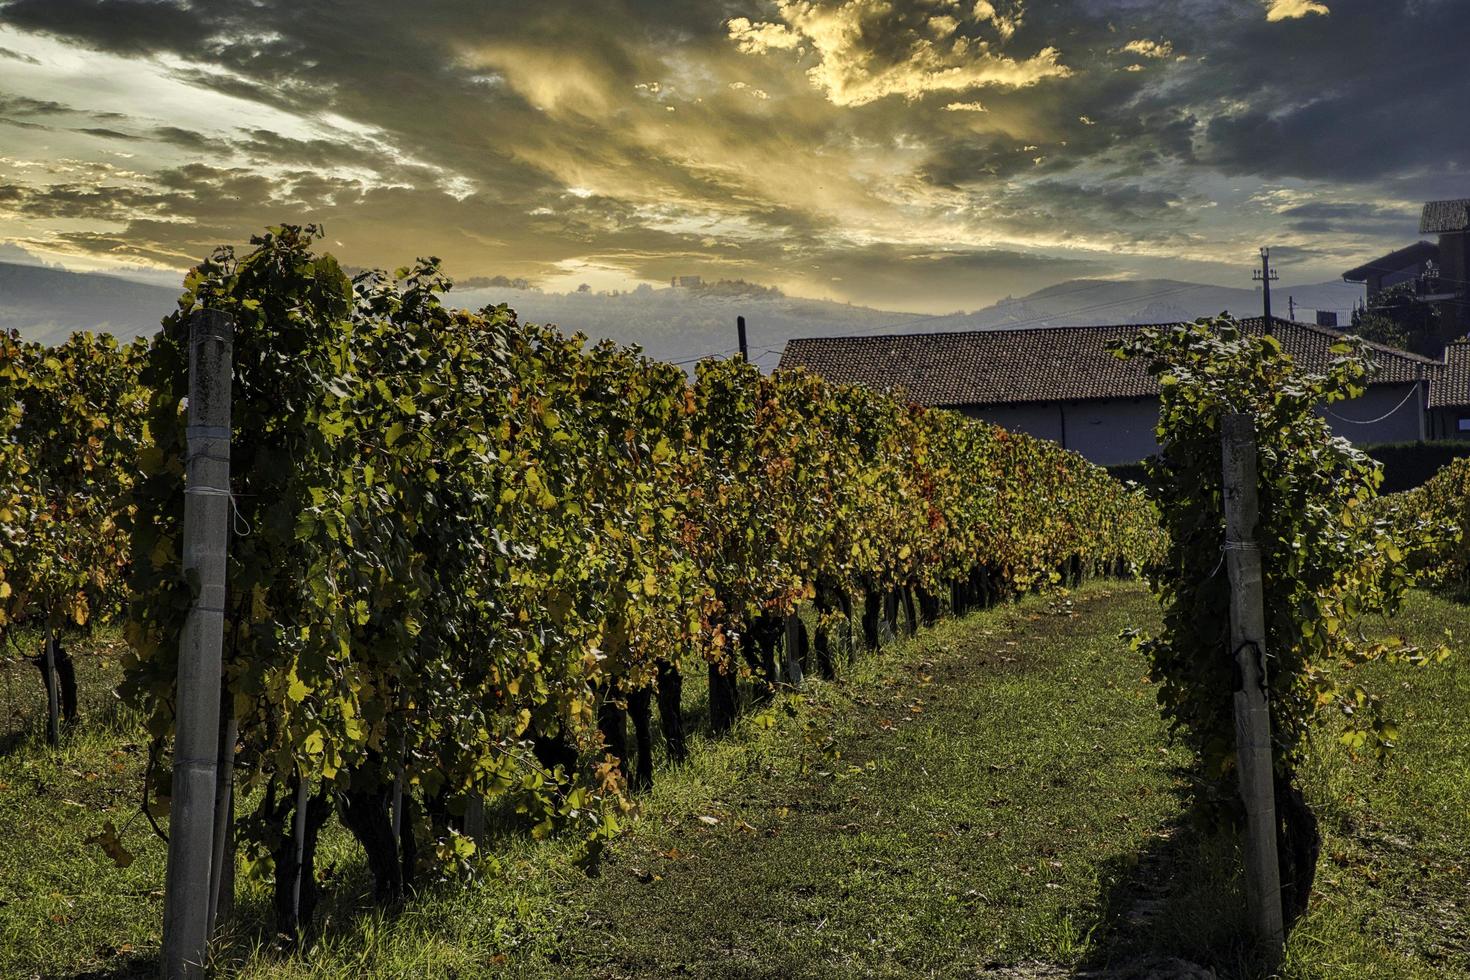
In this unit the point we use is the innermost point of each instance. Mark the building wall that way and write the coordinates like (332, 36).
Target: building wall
(1116, 430)
(1445, 423)
(1121, 430)
(1379, 281)
(1384, 413)
(1454, 270)
(1042, 420)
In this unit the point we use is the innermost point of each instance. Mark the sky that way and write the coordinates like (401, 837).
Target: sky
(924, 155)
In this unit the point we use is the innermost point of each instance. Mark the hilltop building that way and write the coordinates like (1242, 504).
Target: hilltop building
(686, 282)
(1064, 384)
(1440, 271)
(1448, 285)
(1405, 265)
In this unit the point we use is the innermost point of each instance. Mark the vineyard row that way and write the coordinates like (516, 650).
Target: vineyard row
(464, 549)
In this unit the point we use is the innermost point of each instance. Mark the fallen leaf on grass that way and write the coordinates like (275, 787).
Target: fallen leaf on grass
(112, 846)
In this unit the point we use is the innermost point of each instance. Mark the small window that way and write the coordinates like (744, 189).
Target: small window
(1464, 425)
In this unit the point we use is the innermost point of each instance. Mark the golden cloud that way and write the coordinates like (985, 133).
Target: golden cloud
(1148, 49)
(1293, 9)
(851, 71)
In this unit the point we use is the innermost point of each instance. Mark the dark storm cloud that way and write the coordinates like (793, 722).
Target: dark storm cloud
(20, 105)
(18, 56)
(188, 139)
(111, 134)
(838, 143)
(121, 26)
(1352, 217)
(1373, 89)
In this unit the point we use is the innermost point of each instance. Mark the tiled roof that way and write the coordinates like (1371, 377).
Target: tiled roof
(1442, 216)
(1450, 385)
(1410, 257)
(990, 367)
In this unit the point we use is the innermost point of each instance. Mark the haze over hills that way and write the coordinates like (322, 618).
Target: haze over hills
(46, 304)
(1085, 302)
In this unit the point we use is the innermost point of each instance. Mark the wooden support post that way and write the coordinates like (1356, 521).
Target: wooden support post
(1252, 714)
(196, 739)
(53, 687)
(791, 656)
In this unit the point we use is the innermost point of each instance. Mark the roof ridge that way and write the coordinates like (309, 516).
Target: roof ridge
(1321, 331)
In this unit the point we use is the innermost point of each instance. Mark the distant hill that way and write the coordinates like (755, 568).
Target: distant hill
(680, 324)
(1085, 302)
(683, 324)
(47, 304)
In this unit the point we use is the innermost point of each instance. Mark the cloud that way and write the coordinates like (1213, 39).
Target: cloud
(1293, 9)
(19, 56)
(17, 254)
(1148, 49)
(760, 38)
(753, 138)
(1006, 24)
(866, 50)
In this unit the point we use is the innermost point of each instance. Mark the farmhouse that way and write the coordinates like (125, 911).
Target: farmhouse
(1064, 384)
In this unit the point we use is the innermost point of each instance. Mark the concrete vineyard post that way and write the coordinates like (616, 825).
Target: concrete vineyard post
(222, 879)
(474, 818)
(396, 813)
(1252, 714)
(53, 688)
(792, 654)
(298, 834)
(187, 897)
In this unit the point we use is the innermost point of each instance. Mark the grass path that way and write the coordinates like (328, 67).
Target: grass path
(978, 806)
(994, 798)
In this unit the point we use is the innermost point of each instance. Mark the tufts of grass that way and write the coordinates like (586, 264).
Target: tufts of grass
(994, 797)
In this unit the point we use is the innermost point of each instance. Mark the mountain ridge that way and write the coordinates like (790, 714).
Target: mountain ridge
(682, 325)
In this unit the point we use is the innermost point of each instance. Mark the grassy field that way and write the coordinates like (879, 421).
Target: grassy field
(995, 797)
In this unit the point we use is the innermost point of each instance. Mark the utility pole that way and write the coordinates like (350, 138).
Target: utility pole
(1291, 307)
(1266, 276)
(1254, 767)
(188, 896)
(744, 348)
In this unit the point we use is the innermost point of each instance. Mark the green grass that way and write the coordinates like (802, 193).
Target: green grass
(995, 797)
